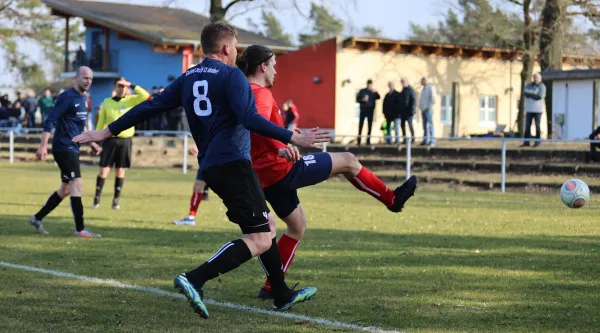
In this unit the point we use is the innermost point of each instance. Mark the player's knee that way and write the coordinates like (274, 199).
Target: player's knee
(351, 162)
(199, 186)
(263, 243)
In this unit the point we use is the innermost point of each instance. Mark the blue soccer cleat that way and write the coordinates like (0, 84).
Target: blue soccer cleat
(194, 296)
(299, 296)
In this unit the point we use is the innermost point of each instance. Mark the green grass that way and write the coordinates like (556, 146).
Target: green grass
(451, 262)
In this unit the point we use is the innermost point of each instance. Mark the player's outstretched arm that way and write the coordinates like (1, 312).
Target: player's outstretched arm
(242, 102)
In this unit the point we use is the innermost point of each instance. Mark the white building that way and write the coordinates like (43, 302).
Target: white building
(574, 101)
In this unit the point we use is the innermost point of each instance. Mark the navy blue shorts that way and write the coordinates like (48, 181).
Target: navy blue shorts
(310, 170)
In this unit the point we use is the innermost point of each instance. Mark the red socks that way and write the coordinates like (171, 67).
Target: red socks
(367, 182)
(194, 203)
(287, 250)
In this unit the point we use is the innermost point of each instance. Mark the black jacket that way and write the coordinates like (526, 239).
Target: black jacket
(370, 104)
(407, 102)
(594, 133)
(390, 105)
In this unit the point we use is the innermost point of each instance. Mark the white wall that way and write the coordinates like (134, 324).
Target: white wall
(574, 100)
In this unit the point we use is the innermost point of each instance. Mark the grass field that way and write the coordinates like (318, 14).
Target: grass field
(451, 262)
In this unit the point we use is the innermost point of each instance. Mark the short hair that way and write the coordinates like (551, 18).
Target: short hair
(213, 34)
(252, 57)
(154, 87)
(369, 81)
(161, 87)
(119, 79)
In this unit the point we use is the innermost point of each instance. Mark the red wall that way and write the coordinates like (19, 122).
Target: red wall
(295, 73)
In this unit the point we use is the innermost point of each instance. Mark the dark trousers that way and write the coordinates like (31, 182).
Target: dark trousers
(409, 120)
(175, 123)
(30, 120)
(593, 154)
(368, 115)
(529, 118)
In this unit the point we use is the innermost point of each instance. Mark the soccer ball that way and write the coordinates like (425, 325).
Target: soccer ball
(575, 193)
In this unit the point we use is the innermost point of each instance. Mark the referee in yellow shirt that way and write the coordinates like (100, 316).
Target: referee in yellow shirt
(116, 151)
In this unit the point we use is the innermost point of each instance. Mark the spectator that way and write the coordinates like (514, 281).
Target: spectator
(20, 98)
(426, 103)
(30, 105)
(12, 117)
(97, 57)
(592, 156)
(4, 102)
(79, 59)
(366, 97)
(391, 113)
(408, 108)
(159, 122)
(535, 93)
(175, 119)
(154, 91)
(291, 115)
(46, 103)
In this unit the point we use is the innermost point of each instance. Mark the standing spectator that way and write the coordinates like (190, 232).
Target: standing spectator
(366, 97)
(592, 156)
(291, 116)
(428, 97)
(154, 91)
(535, 94)
(391, 112)
(4, 102)
(116, 151)
(175, 119)
(159, 122)
(20, 98)
(30, 105)
(408, 108)
(46, 104)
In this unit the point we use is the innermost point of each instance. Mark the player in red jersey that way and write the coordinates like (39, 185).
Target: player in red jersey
(281, 170)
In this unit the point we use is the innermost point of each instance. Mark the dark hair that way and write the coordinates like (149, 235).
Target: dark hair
(252, 57)
(161, 87)
(119, 79)
(212, 35)
(369, 81)
(154, 87)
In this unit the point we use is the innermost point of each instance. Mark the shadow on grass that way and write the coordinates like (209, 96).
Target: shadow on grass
(417, 281)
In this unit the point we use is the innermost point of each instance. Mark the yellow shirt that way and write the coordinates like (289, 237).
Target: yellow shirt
(111, 110)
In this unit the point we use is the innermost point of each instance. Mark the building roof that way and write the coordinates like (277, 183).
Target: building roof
(157, 25)
(575, 74)
(451, 50)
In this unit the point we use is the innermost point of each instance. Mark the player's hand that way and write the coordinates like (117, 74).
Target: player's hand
(96, 149)
(93, 136)
(310, 138)
(42, 152)
(290, 153)
(193, 151)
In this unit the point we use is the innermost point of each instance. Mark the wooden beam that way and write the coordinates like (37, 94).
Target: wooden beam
(373, 46)
(58, 13)
(417, 49)
(105, 56)
(123, 36)
(89, 24)
(395, 48)
(164, 49)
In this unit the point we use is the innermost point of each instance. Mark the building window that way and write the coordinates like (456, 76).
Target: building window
(447, 109)
(487, 110)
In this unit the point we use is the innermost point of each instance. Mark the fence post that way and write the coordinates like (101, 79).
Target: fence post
(11, 146)
(185, 153)
(408, 153)
(503, 168)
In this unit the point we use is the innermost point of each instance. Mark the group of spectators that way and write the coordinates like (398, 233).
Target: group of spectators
(21, 113)
(399, 108)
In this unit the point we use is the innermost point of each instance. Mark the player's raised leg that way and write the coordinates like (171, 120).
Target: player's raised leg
(364, 180)
(197, 196)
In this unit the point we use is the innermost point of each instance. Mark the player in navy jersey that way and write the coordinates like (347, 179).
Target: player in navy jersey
(221, 110)
(68, 117)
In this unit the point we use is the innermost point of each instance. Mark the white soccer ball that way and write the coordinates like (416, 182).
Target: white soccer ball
(575, 193)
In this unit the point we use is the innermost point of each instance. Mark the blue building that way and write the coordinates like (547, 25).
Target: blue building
(150, 46)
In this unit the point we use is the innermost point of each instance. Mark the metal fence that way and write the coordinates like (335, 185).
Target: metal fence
(407, 151)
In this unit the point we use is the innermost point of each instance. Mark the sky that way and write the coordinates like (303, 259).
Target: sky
(392, 17)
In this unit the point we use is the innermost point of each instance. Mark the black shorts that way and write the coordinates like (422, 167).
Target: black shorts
(68, 163)
(116, 152)
(310, 170)
(237, 184)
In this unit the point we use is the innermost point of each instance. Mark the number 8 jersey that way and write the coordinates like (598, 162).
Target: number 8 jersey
(220, 109)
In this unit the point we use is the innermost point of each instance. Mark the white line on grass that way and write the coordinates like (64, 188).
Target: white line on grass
(161, 292)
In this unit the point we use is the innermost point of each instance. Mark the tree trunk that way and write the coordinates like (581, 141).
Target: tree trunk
(528, 59)
(217, 12)
(551, 46)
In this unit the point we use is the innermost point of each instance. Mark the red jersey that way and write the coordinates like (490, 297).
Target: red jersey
(269, 167)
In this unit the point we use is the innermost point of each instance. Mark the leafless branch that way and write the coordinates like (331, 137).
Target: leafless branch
(516, 2)
(6, 5)
(233, 3)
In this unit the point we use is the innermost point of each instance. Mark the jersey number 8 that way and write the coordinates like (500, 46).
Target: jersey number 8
(200, 97)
